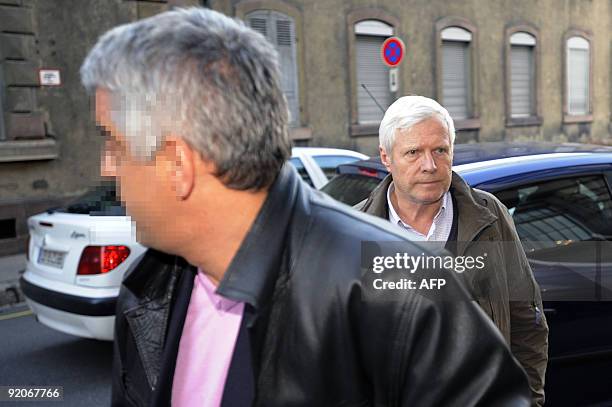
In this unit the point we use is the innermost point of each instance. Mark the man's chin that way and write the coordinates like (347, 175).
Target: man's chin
(430, 199)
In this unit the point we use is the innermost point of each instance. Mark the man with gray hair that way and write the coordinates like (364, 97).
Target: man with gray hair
(250, 293)
(423, 196)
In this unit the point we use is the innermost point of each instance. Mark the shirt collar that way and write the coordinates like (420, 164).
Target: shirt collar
(221, 303)
(252, 272)
(396, 220)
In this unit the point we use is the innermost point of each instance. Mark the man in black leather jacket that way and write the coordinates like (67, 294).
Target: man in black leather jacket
(197, 140)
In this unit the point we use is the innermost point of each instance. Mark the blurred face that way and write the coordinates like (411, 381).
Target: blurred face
(420, 162)
(144, 186)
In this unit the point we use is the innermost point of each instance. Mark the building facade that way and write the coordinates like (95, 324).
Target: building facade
(49, 149)
(505, 69)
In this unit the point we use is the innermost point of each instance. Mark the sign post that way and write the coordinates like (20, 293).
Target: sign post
(392, 53)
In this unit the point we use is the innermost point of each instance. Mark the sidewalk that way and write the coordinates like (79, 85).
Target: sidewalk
(11, 268)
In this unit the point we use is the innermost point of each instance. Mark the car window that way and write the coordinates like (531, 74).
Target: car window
(299, 166)
(328, 163)
(553, 217)
(350, 188)
(101, 200)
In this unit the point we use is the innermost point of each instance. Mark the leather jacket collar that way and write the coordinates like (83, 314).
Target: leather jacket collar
(251, 276)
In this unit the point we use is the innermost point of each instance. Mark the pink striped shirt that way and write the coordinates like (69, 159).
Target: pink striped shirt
(206, 347)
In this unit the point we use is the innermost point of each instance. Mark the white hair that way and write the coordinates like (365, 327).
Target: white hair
(205, 75)
(407, 111)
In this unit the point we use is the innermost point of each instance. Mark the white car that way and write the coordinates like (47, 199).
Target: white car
(76, 260)
(318, 165)
(77, 256)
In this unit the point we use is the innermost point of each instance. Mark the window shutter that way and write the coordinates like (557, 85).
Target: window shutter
(258, 21)
(279, 29)
(455, 78)
(578, 81)
(286, 47)
(521, 81)
(374, 74)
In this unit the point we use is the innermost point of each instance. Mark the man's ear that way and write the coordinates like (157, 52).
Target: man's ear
(385, 158)
(179, 165)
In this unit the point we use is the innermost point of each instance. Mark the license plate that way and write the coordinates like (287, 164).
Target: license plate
(51, 258)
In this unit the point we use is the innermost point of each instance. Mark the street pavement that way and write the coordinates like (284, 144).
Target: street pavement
(34, 355)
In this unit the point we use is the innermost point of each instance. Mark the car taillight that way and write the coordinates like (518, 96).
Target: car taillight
(101, 259)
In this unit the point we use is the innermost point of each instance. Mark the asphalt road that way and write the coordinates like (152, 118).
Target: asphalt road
(32, 354)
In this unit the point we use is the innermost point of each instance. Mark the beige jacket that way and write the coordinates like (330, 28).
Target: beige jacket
(505, 289)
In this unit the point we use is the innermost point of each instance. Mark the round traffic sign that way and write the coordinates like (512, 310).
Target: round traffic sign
(392, 51)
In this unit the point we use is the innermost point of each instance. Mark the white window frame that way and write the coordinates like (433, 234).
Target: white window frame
(459, 35)
(377, 29)
(373, 27)
(579, 43)
(269, 14)
(456, 34)
(524, 39)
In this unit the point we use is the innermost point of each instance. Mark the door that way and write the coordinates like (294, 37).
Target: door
(565, 226)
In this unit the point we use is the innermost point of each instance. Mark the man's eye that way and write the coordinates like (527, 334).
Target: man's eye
(441, 150)
(411, 152)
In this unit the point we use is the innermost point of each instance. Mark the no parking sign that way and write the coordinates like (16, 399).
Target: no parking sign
(392, 51)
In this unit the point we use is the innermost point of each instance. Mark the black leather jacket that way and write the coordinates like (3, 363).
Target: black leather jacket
(315, 336)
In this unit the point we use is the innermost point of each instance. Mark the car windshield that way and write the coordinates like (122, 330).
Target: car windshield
(350, 188)
(101, 200)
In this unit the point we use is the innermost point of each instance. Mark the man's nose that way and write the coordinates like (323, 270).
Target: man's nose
(428, 164)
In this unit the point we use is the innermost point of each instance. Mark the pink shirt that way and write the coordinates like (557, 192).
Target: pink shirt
(206, 346)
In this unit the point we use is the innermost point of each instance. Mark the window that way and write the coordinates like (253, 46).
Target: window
(553, 217)
(279, 29)
(578, 76)
(351, 188)
(565, 226)
(299, 166)
(522, 75)
(329, 163)
(8, 229)
(373, 90)
(456, 71)
(101, 200)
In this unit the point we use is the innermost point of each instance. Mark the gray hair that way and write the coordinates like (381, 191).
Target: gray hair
(204, 76)
(407, 111)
